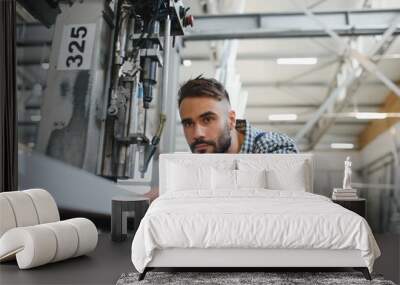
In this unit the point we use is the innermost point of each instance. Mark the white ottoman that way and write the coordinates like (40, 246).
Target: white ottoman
(31, 232)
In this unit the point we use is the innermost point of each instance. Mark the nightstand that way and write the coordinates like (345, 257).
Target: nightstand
(122, 208)
(358, 206)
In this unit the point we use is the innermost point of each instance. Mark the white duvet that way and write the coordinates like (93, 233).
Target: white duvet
(250, 219)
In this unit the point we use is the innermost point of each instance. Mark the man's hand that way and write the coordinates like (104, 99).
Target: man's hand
(152, 194)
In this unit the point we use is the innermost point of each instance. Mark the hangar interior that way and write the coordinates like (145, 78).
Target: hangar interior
(324, 72)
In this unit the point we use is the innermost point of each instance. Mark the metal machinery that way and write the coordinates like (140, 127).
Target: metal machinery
(104, 101)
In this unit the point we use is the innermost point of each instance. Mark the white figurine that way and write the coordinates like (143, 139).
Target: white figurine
(347, 174)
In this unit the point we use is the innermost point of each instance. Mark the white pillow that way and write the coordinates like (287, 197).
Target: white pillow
(284, 172)
(223, 179)
(251, 178)
(188, 177)
(294, 180)
(226, 179)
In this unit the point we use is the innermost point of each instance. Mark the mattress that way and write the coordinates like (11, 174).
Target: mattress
(251, 219)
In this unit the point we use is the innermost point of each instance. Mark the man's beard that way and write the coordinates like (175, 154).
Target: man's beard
(223, 142)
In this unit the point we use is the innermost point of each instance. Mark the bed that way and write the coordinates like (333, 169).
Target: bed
(246, 211)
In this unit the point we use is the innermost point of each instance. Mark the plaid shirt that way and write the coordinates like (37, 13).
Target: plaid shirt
(269, 142)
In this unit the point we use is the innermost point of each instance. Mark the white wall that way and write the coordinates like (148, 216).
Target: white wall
(329, 165)
(382, 202)
(329, 169)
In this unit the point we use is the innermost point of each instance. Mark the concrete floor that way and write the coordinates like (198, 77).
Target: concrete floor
(388, 264)
(111, 259)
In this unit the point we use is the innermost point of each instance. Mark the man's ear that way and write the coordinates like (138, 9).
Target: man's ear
(232, 119)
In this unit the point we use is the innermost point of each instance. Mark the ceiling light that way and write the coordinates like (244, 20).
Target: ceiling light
(282, 117)
(36, 118)
(370, 115)
(297, 60)
(342, 145)
(364, 115)
(45, 65)
(187, 62)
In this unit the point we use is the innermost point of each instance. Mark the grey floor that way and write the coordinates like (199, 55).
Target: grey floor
(111, 259)
(389, 262)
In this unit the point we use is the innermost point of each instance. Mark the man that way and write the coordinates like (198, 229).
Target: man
(210, 125)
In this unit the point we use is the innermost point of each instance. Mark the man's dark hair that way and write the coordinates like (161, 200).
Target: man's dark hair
(202, 87)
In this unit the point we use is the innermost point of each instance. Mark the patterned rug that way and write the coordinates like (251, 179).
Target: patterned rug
(230, 278)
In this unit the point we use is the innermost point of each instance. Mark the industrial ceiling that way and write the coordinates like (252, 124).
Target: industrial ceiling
(271, 87)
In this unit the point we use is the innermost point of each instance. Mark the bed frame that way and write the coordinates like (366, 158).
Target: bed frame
(246, 258)
(242, 259)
